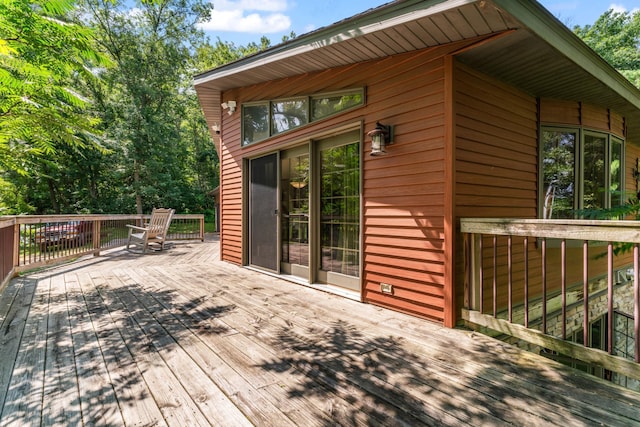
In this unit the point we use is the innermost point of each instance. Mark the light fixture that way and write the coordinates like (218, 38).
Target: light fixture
(231, 105)
(298, 184)
(381, 136)
(216, 128)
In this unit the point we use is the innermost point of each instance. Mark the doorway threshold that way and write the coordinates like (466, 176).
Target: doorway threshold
(332, 289)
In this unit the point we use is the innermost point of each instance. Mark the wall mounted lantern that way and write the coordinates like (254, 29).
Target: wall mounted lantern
(381, 136)
(231, 105)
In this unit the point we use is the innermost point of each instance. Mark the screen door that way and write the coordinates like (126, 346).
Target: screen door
(263, 212)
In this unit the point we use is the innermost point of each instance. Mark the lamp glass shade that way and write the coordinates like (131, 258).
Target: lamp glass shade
(377, 143)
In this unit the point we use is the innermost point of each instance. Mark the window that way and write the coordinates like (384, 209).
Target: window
(580, 169)
(255, 123)
(289, 114)
(261, 120)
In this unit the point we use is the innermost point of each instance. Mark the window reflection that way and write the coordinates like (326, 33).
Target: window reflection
(295, 205)
(340, 209)
(558, 166)
(289, 114)
(255, 123)
(594, 171)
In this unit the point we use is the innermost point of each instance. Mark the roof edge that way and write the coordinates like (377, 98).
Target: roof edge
(546, 26)
(385, 16)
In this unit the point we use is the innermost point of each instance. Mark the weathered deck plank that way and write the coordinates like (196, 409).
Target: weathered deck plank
(60, 401)
(23, 401)
(179, 338)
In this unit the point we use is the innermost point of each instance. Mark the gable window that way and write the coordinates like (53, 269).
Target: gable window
(580, 169)
(261, 120)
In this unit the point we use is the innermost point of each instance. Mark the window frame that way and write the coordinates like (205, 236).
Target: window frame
(579, 165)
(309, 101)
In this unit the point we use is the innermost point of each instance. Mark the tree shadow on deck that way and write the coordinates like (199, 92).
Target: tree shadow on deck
(84, 345)
(373, 380)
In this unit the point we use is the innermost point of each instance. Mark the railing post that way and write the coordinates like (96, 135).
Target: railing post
(202, 228)
(16, 244)
(97, 223)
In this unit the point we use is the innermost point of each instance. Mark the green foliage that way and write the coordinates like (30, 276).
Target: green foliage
(111, 75)
(42, 52)
(615, 36)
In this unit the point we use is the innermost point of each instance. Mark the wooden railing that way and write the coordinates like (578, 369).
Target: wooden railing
(32, 241)
(558, 286)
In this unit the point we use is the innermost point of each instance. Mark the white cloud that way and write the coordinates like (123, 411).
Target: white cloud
(620, 8)
(249, 16)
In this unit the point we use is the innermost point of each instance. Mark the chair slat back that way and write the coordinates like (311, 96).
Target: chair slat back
(159, 222)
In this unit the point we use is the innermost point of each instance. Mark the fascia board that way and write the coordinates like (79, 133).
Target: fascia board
(545, 26)
(380, 19)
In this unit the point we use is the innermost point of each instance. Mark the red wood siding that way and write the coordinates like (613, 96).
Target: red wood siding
(496, 159)
(496, 148)
(403, 191)
(572, 113)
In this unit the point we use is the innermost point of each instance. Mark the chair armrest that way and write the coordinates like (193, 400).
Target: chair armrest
(137, 228)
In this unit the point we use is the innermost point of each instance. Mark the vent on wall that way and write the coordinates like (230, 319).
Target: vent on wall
(386, 288)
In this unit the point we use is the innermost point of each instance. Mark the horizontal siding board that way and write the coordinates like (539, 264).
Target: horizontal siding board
(417, 255)
(435, 289)
(412, 233)
(431, 283)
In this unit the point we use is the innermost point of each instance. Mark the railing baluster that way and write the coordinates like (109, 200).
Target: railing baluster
(481, 259)
(610, 297)
(495, 275)
(563, 285)
(468, 265)
(636, 303)
(526, 282)
(510, 276)
(585, 287)
(544, 285)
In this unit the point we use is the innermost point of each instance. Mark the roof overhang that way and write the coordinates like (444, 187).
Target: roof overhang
(537, 53)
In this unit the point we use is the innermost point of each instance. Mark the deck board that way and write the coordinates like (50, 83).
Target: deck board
(179, 338)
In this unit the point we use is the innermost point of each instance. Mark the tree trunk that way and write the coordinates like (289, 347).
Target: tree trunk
(136, 187)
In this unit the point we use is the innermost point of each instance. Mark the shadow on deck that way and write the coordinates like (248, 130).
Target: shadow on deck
(179, 338)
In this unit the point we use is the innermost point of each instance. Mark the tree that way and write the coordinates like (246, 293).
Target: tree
(143, 98)
(43, 55)
(615, 36)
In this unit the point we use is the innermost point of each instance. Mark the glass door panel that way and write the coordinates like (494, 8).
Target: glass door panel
(339, 220)
(295, 214)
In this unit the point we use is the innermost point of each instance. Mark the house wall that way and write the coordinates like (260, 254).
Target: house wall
(406, 206)
(496, 139)
(496, 151)
(403, 199)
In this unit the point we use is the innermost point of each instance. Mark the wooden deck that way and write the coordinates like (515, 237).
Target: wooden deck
(181, 339)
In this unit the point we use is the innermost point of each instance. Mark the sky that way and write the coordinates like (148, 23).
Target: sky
(245, 21)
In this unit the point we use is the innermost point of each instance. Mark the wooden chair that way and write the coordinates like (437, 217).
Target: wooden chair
(155, 231)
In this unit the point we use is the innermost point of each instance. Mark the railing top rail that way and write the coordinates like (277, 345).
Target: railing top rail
(599, 230)
(40, 219)
(7, 221)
